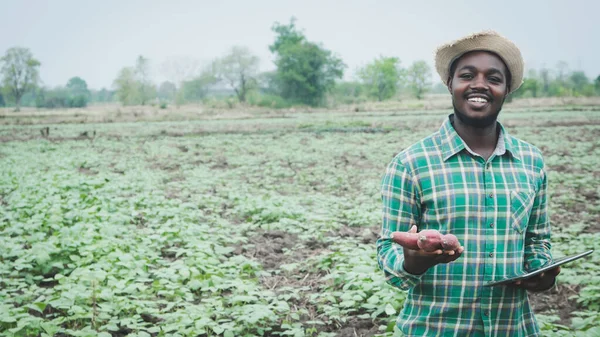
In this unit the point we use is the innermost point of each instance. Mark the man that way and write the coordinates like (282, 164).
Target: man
(474, 180)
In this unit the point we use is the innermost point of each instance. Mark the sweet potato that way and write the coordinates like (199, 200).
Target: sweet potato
(406, 240)
(450, 242)
(430, 240)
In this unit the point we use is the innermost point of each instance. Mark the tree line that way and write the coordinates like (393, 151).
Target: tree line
(306, 74)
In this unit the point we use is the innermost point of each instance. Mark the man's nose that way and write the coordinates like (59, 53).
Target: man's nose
(479, 82)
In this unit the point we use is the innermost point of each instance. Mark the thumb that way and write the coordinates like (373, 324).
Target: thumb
(413, 229)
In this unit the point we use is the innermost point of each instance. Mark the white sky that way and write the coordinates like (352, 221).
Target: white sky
(95, 39)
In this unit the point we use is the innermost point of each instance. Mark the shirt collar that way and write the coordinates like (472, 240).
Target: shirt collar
(453, 144)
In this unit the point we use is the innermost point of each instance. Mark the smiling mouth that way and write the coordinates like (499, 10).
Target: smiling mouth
(478, 100)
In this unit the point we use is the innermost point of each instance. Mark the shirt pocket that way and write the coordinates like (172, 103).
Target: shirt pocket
(521, 203)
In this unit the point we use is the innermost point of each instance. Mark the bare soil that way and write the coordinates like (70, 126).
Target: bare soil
(557, 300)
(276, 248)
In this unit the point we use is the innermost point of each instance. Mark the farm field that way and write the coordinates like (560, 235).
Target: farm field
(247, 227)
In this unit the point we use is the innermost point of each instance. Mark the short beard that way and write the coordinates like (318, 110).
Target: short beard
(479, 123)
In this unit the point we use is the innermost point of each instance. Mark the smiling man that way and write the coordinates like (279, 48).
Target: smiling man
(473, 179)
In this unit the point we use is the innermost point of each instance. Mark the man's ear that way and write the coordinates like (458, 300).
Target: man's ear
(449, 84)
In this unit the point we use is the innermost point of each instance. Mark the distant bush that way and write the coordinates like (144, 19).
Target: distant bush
(219, 102)
(51, 102)
(79, 101)
(348, 100)
(60, 98)
(231, 102)
(269, 101)
(347, 93)
(163, 105)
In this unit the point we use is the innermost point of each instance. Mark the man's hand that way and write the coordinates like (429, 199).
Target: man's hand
(418, 261)
(541, 282)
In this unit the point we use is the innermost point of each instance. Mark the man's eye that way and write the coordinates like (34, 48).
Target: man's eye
(495, 79)
(467, 76)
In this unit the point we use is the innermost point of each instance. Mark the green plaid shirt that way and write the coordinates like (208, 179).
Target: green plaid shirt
(497, 209)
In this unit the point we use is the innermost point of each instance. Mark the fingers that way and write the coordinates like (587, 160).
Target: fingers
(521, 284)
(425, 253)
(455, 252)
(413, 229)
(450, 256)
(531, 283)
(445, 253)
(534, 283)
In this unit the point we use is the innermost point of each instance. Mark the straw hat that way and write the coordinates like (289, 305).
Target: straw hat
(488, 40)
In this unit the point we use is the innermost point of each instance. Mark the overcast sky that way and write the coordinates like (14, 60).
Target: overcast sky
(95, 39)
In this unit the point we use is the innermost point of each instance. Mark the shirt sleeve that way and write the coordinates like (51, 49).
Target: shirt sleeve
(401, 210)
(537, 236)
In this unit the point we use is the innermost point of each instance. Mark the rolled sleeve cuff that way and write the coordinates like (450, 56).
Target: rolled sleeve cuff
(537, 260)
(400, 278)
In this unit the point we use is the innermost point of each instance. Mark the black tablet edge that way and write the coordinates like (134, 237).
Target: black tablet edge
(560, 261)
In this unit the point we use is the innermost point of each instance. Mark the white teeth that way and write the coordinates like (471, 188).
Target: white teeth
(478, 99)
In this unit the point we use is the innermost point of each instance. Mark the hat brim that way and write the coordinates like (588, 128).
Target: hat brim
(483, 41)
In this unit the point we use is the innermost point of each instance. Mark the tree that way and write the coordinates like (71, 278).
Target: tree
(439, 88)
(530, 85)
(238, 69)
(562, 71)
(419, 75)
(167, 91)
(134, 85)
(306, 71)
(545, 78)
(286, 35)
(597, 84)
(196, 89)
(348, 93)
(381, 77)
(56, 98)
(146, 89)
(179, 69)
(2, 103)
(102, 95)
(20, 72)
(579, 81)
(78, 92)
(127, 87)
(74, 95)
(78, 86)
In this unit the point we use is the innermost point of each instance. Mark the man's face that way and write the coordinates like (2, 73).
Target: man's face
(478, 88)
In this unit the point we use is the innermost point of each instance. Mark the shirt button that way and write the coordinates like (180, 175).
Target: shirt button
(491, 254)
(492, 225)
(491, 195)
(486, 313)
(488, 166)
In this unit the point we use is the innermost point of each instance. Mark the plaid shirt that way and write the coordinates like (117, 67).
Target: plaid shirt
(497, 209)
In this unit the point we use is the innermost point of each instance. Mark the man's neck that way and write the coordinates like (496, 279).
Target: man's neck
(482, 141)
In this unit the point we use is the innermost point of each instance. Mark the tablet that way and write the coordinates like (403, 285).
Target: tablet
(552, 265)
